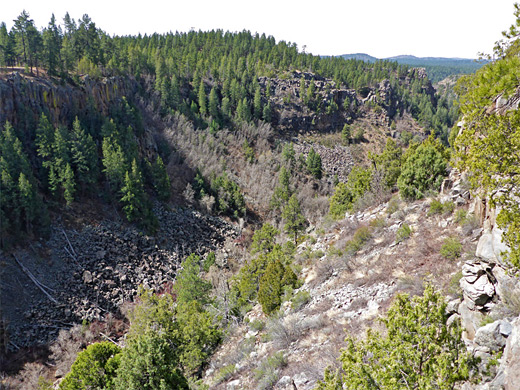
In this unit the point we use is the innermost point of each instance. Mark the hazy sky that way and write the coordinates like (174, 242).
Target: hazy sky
(382, 28)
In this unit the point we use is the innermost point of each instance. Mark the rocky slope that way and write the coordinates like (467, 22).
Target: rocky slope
(87, 274)
(349, 291)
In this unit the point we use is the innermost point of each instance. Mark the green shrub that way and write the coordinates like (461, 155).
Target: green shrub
(224, 373)
(404, 232)
(257, 325)
(361, 237)
(393, 205)
(469, 224)
(95, 367)
(268, 372)
(423, 170)
(460, 216)
(209, 261)
(437, 207)
(346, 195)
(431, 354)
(451, 249)
(454, 285)
(377, 223)
(300, 299)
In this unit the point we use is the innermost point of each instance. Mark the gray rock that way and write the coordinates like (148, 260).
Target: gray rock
(284, 381)
(301, 381)
(87, 277)
(489, 336)
(233, 385)
(452, 319)
(453, 306)
(470, 319)
(505, 328)
(477, 283)
(512, 358)
(490, 246)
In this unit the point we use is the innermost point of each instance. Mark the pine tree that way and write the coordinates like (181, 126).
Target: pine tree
(213, 104)
(202, 99)
(314, 164)
(257, 104)
(133, 198)
(161, 180)
(292, 215)
(84, 154)
(52, 43)
(69, 184)
(21, 24)
(189, 286)
(226, 108)
(267, 113)
(45, 140)
(27, 201)
(114, 162)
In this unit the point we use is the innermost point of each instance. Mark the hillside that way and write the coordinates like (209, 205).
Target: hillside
(438, 68)
(216, 210)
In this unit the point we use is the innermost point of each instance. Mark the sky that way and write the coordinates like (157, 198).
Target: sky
(381, 28)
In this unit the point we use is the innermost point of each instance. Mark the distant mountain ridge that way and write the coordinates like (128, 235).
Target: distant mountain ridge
(437, 68)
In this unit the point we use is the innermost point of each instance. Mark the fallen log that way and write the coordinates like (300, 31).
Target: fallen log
(36, 281)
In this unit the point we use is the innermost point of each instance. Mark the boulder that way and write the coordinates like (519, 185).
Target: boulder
(478, 284)
(490, 246)
(491, 336)
(511, 364)
(470, 320)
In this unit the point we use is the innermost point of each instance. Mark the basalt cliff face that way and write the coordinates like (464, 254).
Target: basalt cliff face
(23, 99)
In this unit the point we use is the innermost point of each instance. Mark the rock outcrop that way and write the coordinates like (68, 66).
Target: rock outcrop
(24, 98)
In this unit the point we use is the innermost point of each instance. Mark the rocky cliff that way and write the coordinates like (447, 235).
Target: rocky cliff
(24, 98)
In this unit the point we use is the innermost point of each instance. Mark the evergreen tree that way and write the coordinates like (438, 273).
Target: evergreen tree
(226, 108)
(292, 215)
(27, 195)
(419, 350)
(7, 45)
(314, 164)
(133, 198)
(282, 191)
(20, 27)
(45, 140)
(264, 239)
(202, 99)
(213, 104)
(189, 286)
(52, 44)
(423, 170)
(267, 113)
(257, 104)
(69, 184)
(346, 133)
(94, 368)
(114, 162)
(161, 180)
(149, 362)
(83, 155)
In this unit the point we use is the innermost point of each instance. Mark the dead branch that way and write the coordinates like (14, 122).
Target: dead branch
(35, 281)
(111, 340)
(70, 245)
